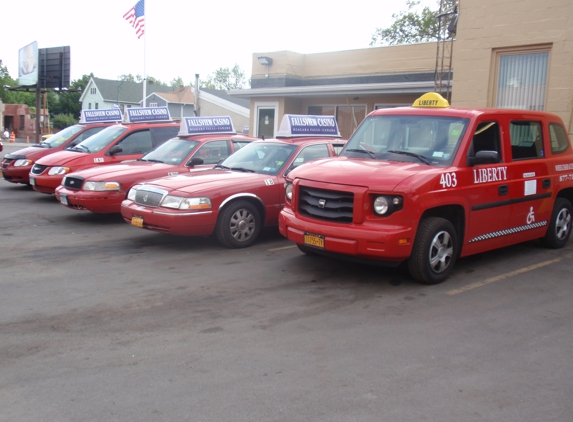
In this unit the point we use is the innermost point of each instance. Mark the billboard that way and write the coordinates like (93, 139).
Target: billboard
(28, 64)
(54, 67)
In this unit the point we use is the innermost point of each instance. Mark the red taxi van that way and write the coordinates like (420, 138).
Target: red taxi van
(430, 183)
(145, 129)
(16, 166)
(202, 142)
(239, 196)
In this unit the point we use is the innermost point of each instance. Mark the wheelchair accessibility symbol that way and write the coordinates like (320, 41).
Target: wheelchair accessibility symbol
(530, 216)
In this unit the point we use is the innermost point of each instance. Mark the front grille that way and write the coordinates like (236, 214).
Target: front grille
(6, 162)
(38, 169)
(149, 198)
(327, 205)
(73, 182)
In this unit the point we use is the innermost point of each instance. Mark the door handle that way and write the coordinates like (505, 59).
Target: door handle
(546, 184)
(503, 190)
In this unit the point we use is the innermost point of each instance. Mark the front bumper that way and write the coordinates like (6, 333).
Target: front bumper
(164, 220)
(104, 202)
(16, 174)
(369, 241)
(44, 183)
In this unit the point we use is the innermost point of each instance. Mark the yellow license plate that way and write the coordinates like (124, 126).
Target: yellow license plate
(315, 240)
(137, 221)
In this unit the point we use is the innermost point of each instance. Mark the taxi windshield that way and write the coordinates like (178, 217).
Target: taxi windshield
(260, 157)
(62, 136)
(100, 140)
(174, 151)
(431, 140)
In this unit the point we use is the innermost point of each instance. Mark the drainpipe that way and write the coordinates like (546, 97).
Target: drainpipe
(197, 107)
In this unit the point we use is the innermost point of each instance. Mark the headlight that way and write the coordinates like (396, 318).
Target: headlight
(22, 162)
(101, 186)
(58, 170)
(386, 205)
(288, 191)
(381, 205)
(132, 192)
(181, 203)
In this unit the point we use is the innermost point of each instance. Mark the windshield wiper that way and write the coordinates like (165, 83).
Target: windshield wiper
(220, 166)
(243, 169)
(364, 151)
(411, 154)
(81, 148)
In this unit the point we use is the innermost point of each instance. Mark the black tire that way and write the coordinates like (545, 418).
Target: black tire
(559, 228)
(238, 225)
(435, 251)
(305, 249)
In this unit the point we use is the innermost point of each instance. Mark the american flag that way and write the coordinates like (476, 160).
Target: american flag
(135, 16)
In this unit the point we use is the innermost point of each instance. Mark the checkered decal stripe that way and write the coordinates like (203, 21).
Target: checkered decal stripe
(509, 231)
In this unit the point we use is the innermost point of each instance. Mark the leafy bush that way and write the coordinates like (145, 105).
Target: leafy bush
(62, 121)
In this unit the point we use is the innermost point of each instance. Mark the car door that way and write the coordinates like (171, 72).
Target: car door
(488, 187)
(530, 186)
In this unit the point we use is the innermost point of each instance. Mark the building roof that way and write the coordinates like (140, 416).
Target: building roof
(181, 95)
(224, 95)
(128, 92)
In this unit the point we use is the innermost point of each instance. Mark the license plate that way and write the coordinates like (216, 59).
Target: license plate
(137, 221)
(64, 199)
(314, 240)
(32, 181)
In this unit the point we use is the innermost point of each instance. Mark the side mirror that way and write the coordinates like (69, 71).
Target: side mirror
(115, 149)
(484, 157)
(195, 161)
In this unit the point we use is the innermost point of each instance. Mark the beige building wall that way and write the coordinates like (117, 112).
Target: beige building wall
(486, 27)
(210, 109)
(367, 61)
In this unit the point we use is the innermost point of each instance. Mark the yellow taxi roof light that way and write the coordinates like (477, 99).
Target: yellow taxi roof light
(431, 100)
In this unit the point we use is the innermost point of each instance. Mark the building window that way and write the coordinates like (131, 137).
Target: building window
(89, 106)
(22, 122)
(522, 78)
(347, 117)
(152, 104)
(96, 106)
(93, 91)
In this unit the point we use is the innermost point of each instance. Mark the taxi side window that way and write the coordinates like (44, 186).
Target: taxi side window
(239, 144)
(559, 140)
(213, 152)
(161, 134)
(486, 138)
(136, 143)
(310, 153)
(526, 140)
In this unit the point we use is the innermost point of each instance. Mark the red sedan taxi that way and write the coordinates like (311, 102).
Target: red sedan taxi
(202, 142)
(430, 183)
(238, 197)
(146, 128)
(16, 166)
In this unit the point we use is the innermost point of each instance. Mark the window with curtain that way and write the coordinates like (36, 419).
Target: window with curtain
(522, 80)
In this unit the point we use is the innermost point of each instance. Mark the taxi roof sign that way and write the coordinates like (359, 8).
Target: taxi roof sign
(101, 116)
(147, 114)
(206, 125)
(431, 100)
(303, 125)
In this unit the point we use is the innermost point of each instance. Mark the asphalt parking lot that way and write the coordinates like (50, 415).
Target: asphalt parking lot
(101, 321)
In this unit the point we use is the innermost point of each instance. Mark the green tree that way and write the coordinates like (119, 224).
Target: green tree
(138, 78)
(14, 97)
(63, 120)
(225, 78)
(414, 24)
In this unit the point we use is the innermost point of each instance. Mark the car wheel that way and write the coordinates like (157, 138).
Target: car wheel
(239, 225)
(559, 228)
(434, 252)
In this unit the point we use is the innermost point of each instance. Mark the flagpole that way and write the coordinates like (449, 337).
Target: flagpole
(144, 62)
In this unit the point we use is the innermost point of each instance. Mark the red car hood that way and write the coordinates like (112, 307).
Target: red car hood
(132, 168)
(380, 174)
(210, 180)
(61, 158)
(33, 153)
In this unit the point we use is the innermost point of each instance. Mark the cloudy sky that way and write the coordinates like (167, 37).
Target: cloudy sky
(183, 38)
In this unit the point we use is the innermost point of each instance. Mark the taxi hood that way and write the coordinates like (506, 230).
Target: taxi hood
(32, 152)
(213, 181)
(382, 174)
(115, 172)
(61, 158)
